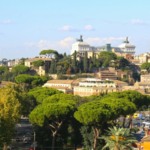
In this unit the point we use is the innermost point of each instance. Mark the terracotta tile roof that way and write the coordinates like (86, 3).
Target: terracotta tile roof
(61, 81)
(58, 87)
(38, 58)
(120, 82)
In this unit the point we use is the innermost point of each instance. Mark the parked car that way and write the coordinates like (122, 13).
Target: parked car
(146, 124)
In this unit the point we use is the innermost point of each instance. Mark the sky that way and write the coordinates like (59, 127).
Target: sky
(30, 26)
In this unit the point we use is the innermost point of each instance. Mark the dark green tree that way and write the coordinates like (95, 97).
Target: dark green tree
(146, 66)
(41, 93)
(49, 53)
(74, 62)
(85, 63)
(28, 103)
(53, 67)
(38, 63)
(106, 57)
(137, 98)
(3, 69)
(121, 63)
(98, 112)
(27, 81)
(133, 96)
(20, 69)
(54, 111)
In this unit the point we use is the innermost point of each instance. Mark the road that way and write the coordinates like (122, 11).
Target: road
(24, 135)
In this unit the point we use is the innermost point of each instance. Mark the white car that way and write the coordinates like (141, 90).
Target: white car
(146, 124)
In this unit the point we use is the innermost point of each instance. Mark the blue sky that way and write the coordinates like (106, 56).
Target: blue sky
(29, 26)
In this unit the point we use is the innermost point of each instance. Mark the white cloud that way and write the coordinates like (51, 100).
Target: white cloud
(89, 28)
(42, 44)
(7, 21)
(138, 22)
(66, 42)
(68, 28)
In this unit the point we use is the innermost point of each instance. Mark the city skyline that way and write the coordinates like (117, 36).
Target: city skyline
(27, 27)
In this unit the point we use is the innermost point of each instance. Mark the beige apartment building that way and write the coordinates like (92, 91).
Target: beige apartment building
(83, 87)
(143, 86)
(41, 70)
(88, 91)
(93, 86)
(142, 58)
(65, 86)
(145, 78)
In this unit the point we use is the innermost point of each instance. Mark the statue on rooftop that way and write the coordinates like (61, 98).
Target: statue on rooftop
(80, 40)
(126, 40)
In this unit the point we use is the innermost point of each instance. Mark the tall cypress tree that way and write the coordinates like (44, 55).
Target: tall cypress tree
(74, 62)
(53, 67)
(94, 59)
(85, 63)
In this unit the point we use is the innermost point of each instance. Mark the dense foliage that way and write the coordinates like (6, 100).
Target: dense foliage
(146, 66)
(9, 113)
(38, 63)
(41, 93)
(30, 81)
(118, 139)
(65, 118)
(62, 64)
(54, 111)
(98, 113)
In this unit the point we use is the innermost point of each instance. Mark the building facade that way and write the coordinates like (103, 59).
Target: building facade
(41, 70)
(145, 78)
(94, 86)
(65, 86)
(122, 50)
(142, 58)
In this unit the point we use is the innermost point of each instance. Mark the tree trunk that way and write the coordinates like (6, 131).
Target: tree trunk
(4, 146)
(124, 120)
(55, 128)
(130, 122)
(53, 142)
(96, 135)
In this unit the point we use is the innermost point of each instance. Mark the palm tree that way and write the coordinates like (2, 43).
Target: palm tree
(118, 139)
